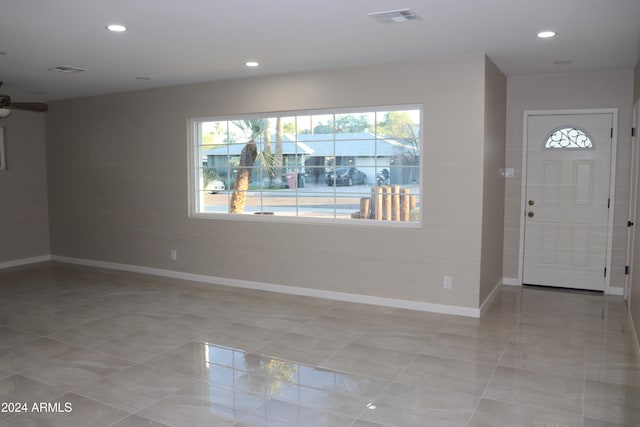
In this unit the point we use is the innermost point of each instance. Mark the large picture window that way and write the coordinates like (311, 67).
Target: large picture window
(346, 165)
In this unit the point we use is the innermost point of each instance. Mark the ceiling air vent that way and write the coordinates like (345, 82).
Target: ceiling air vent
(67, 69)
(395, 16)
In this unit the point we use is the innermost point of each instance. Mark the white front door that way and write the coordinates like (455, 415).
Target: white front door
(567, 200)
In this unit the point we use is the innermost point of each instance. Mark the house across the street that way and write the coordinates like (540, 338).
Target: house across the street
(314, 154)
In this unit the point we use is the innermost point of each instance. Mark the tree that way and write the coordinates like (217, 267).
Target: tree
(267, 149)
(289, 127)
(280, 128)
(399, 126)
(248, 157)
(352, 124)
(344, 124)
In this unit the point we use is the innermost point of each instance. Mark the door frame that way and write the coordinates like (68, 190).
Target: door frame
(612, 183)
(633, 197)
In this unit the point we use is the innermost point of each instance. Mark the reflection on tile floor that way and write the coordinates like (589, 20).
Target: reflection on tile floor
(133, 350)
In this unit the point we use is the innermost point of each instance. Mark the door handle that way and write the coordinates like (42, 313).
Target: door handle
(530, 214)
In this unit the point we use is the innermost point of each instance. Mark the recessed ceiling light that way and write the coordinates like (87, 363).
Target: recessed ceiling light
(252, 64)
(546, 34)
(116, 28)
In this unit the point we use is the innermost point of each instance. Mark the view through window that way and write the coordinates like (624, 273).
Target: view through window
(346, 165)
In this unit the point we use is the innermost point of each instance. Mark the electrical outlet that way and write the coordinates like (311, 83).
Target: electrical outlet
(447, 283)
(174, 255)
(508, 172)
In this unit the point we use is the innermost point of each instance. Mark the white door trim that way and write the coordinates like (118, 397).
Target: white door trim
(633, 198)
(612, 183)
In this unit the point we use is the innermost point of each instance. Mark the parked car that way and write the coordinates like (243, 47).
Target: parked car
(215, 186)
(346, 176)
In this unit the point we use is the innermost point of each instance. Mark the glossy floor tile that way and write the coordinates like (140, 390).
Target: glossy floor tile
(94, 347)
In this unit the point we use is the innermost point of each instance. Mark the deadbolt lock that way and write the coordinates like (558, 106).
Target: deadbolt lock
(531, 203)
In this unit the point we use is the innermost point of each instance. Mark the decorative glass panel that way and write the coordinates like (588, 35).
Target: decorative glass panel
(569, 137)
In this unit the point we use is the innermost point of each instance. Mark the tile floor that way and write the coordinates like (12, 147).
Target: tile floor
(121, 349)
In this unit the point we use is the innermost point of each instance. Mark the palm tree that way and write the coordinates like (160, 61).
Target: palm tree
(248, 157)
(267, 151)
(279, 154)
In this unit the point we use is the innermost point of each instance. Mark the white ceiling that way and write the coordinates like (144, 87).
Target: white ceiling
(189, 41)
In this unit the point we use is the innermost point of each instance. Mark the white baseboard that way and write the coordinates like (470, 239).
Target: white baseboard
(489, 299)
(614, 291)
(510, 281)
(24, 261)
(270, 287)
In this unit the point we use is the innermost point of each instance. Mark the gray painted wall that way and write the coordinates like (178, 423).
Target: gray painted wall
(24, 222)
(119, 185)
(607, 89)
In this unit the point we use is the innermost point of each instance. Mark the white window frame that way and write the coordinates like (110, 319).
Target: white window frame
(195, 160)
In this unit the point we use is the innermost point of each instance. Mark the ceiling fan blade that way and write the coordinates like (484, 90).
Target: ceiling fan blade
(5, 103)
(29, 106)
